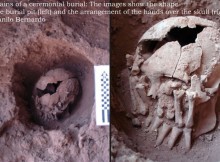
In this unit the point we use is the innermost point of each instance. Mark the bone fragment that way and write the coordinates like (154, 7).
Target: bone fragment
(178, 94)
(188, 137)
(196, 87)
(160, 112)
(175, 84)
(44, 81)
(130, 60)
(170, 113)
(176, 132)
(141, 90)
(208, 53)
(137, 62)
(189, 61)
(157, 65)
(195, 96)
(164, 132)
(154, 87)
(141, 107)
(45, 99)
(138, 105)
(133, 81)
(148, 121)
(165, 87)
(191, 99)
(156, 124)
(136, 122)
(211, 91)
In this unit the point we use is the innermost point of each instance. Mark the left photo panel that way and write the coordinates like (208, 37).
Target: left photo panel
(54, 81)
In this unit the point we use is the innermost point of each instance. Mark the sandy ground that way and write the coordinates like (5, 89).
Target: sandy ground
(29, 50)
(126, 30)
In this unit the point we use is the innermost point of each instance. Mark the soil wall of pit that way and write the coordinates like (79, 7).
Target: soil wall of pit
(29, 50)
(126, 30)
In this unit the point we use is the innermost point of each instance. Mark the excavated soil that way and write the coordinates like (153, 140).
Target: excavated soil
(29, 50)
(130, 141)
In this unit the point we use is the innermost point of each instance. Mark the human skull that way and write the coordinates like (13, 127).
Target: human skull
(175, 76)
(53, 93)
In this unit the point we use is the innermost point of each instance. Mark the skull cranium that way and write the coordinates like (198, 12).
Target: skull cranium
(175, 75)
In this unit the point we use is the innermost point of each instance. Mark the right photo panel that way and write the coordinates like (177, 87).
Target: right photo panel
(165, 76)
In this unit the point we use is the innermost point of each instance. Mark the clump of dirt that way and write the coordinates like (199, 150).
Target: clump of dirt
(28, 51)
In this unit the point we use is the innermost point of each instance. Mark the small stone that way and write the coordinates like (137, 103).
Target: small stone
(209, 137)
(202, 138)
(136, 122)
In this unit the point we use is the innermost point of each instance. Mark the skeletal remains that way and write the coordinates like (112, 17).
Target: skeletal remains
(175, 76)
(53, 93)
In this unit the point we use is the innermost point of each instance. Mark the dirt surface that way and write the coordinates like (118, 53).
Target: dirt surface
(28, 51)
(126, 30)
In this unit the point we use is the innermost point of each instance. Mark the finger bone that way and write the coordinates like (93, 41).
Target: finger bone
(141, 91)
(138, 105)
(159, 110)
(137, 62)
(156, 124)
(177, 106)
(148, 121)
(191, 99)
(170, 113)
(155, 84)
(164, 132)
(187, 135)
(196, 86)
(176, 132)
(133, 81)
(130, 60)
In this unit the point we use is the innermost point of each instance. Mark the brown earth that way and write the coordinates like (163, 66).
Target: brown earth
(28, 50)
(126, 30)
